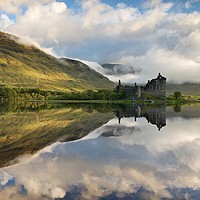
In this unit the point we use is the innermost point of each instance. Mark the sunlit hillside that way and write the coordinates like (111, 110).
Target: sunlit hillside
(23, 65)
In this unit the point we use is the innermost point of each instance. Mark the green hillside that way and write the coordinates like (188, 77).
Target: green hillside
(27, 66)
(189, 89)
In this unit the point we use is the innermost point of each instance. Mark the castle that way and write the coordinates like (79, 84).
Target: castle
(155, 116)
(155, 87)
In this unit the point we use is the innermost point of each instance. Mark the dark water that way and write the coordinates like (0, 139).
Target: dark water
(99, 152)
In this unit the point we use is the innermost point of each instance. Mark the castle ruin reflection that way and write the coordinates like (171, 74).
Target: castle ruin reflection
(155, 115)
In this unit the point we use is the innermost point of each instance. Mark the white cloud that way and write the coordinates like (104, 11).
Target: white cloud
(15, 6)
(5, 22)
(189, 46)
(55, 24)
(171, 64)
(188, 4)
(101, 33)
(152, 3)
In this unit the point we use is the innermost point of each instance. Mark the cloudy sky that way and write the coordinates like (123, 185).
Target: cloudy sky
(148, 36)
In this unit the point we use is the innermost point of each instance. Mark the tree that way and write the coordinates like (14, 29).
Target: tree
(177, 94)
(177, 108)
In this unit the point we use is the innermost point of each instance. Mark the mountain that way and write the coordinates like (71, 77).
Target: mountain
(191, 89)
(118, 69)
(24, 65)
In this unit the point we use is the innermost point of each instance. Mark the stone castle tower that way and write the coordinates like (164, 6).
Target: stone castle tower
(154, 87)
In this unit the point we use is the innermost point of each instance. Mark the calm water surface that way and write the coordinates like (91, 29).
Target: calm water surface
(106, 152)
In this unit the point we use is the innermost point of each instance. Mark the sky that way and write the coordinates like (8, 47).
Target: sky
(146, 36)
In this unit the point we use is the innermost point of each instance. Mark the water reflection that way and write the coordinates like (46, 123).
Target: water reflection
(155, 115)
(138, 164)
(27, 127)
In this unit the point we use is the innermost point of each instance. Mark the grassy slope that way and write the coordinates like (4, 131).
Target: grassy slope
(27, 66)
(192, 89)
(28, 132)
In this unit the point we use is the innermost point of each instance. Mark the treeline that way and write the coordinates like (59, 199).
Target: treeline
(28, 94)
(10, 94)
(93, 95)
(7, 93)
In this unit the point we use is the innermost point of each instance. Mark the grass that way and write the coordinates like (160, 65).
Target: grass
(27, 66)
(187, 89)
(170, 100)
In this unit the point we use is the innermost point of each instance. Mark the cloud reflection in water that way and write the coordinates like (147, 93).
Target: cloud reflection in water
(114, 160)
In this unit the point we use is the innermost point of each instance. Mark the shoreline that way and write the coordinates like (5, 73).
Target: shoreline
(152, 102)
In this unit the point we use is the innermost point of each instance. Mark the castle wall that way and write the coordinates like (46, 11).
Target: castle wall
(155, 87)
(134, 92)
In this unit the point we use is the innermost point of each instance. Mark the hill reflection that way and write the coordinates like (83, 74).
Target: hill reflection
(26, 128)
(138, 164)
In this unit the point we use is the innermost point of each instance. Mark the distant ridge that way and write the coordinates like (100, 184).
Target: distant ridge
(27, 66)
(118, 69)
(191, 89)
